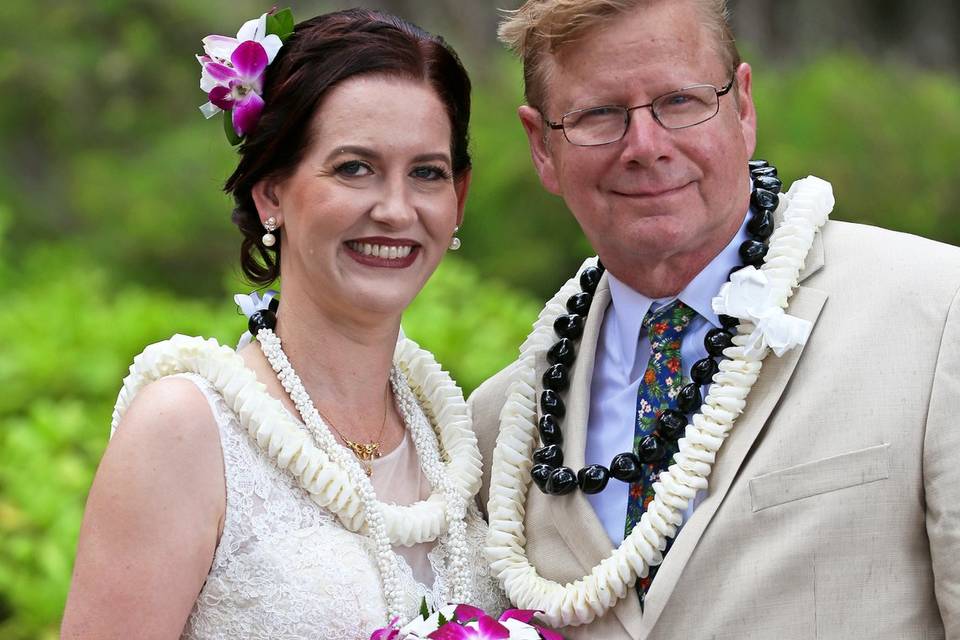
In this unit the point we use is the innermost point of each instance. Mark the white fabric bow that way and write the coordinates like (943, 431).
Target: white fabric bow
(751, 296)
(249, 305)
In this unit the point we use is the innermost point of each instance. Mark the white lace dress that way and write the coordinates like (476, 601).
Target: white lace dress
(286, 568)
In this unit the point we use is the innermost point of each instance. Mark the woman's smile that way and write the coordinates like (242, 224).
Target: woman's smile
(383, 252)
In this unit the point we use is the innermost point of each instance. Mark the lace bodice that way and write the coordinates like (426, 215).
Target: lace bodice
(286, 568)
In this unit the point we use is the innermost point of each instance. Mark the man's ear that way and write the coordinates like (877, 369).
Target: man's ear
(543, 160)
(746, 110)
(265, 197)
(462, 185)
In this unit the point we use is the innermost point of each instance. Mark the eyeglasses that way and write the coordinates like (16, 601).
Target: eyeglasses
(687, 107)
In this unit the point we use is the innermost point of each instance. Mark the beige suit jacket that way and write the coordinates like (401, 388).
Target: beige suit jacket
(834, 505)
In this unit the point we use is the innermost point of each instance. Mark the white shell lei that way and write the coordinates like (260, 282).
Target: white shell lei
(276, 432)
(805, 209)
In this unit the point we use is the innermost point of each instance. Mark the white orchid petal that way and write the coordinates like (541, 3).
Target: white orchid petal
(207, 81)
(220, 47)
(254, 29)
(271, 44)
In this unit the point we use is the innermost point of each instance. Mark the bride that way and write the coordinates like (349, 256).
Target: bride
(319, 482)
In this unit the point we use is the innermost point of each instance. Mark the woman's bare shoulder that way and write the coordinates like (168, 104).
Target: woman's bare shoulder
(152, 518)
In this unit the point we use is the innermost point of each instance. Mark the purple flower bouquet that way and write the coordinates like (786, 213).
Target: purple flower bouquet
(464, 622)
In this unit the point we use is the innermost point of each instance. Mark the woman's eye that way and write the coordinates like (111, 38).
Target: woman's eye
(430, 172)
(353, 169)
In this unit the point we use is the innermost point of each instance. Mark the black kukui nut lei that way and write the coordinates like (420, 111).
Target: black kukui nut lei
(548, 473)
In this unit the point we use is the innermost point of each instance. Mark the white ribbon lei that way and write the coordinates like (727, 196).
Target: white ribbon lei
(249, 305)
(751, 296)
(758, 299)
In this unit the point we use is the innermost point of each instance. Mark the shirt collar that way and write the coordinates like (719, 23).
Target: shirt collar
(629, 307)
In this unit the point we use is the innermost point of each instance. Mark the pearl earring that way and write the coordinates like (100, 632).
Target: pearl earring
(268, 239)
(455, 241)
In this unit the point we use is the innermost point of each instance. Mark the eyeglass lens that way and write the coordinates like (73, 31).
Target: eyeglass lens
(675, 110)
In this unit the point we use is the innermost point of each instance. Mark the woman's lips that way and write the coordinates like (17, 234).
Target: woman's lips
(383, 252)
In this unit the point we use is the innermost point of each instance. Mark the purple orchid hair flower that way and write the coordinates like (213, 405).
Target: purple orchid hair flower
(239, 85)
(234, 68)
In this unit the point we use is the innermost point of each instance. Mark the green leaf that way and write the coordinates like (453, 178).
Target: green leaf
(442, 620)
(424, 611)
(281, 23)
(232, 136)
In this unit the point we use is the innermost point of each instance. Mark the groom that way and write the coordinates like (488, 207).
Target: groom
(833, 506)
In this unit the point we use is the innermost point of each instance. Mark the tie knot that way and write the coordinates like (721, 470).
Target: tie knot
(667, 323)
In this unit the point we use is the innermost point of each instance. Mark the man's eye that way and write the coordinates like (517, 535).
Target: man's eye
(601, 112)
(678, 99)
(353, 169)
(592, 117)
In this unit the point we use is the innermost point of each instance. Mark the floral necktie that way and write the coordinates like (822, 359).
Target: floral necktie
(662, 380)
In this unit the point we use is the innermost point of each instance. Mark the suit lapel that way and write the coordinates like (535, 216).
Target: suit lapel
(806, 303)
(573, 517)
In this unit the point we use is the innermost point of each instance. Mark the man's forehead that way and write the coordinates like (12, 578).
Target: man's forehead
(604, 66)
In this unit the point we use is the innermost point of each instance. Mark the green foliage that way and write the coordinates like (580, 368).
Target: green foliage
(887, 137)
(474, 327)
(280, 23)
(232, 136)
(71, 336)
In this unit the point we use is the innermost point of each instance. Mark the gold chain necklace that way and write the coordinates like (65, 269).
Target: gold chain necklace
(365, 452)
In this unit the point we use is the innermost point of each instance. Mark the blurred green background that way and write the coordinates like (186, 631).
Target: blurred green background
(114, 233)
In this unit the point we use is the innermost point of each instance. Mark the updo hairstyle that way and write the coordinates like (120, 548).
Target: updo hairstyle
(321, 53)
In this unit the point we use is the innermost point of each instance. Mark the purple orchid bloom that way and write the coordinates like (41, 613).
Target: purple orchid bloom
(387, 633)
(233, 70)
(487, 629)
(525, 616)
(239, 84)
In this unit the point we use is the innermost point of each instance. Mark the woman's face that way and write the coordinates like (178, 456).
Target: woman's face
(369, 212)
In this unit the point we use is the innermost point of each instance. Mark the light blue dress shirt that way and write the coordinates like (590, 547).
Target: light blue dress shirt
(622, 355)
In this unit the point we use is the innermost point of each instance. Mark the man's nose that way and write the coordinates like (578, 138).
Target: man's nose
(646, 140)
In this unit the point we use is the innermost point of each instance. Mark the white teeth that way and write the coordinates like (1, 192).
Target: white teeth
(391, 252)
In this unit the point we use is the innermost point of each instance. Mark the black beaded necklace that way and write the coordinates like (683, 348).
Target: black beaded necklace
(548, 471)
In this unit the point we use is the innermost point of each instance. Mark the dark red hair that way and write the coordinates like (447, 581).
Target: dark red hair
(321, 53)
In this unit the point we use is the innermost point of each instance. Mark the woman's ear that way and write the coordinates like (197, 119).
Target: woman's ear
(462, 187)
(264, 195)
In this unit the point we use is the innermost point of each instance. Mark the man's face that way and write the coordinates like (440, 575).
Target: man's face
(657, 196)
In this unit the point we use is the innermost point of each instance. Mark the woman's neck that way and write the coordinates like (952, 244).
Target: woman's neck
(343, 361)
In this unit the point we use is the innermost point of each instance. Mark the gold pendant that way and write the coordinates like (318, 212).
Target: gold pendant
(365, 453)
